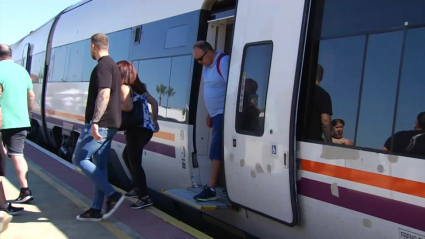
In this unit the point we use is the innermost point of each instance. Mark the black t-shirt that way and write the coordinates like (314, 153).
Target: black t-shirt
(403, 139)
(105, 75)
(322, 104)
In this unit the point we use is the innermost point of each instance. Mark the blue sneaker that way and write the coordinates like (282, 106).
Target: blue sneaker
(206, 195)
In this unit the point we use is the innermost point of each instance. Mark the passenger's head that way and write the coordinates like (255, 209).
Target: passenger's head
(128, 72)
(99, 46)
(251, 86)
(319, 74)
(420, 121)
(129, 77)
(338, 128)
(204, 53)
(5, 52)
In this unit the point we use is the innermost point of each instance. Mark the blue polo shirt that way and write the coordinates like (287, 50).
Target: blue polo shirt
(215, 85)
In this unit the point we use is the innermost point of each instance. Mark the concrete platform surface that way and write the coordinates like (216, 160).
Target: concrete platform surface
(61, 194)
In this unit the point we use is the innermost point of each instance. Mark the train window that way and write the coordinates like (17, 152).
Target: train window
(37, 67)
(342, 61)
(369, 15)
(76, 61)
(176, 36)
(410, 120)
(372, 70)
(157, 81)
(137, 35)
(89, 63)
(178, 91)
(119, 45)
(381, 72)
(254, 80)
(58, 63)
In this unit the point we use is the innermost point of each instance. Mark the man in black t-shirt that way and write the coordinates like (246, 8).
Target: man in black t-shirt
(320, 123)
(409, 141)
(102, 120)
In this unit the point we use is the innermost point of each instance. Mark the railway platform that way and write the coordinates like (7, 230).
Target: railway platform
(61, 193)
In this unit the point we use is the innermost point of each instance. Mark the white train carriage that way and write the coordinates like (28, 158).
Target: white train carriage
(279, 182)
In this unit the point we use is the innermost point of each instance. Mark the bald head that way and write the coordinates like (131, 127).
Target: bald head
(204, 53)
(5, 52)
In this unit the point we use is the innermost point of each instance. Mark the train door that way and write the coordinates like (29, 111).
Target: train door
(259, 151)
(219, 35)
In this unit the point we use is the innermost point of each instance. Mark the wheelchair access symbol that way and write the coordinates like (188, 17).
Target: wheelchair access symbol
(273, 149)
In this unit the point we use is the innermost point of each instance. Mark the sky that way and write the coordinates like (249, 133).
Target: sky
(20, 17)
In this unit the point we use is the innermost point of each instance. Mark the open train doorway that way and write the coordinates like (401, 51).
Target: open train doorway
(220, 27)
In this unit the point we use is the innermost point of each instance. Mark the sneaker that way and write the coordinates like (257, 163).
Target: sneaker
(142, 203)
(206, 195)
(5, 218)
(91, 215)
(132, 194)
(25, 196)
(112, 204)
(11, 210)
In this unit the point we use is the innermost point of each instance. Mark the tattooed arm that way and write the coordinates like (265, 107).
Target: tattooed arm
(327, 127)
(102, 101)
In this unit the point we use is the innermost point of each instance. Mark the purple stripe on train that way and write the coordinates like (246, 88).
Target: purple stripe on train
(388, 209)
(160, 148)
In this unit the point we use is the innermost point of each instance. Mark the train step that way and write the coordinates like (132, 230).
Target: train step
(186, 196)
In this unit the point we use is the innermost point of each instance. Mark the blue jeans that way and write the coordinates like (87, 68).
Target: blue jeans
(97, 171)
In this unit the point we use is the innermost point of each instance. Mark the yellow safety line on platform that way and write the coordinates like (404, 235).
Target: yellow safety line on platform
(155, 211)
(167, 218)
(108, 225)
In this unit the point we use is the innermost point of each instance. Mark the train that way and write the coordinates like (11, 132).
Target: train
(276, 181)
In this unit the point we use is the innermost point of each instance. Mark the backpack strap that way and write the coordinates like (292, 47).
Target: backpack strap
(218, 63)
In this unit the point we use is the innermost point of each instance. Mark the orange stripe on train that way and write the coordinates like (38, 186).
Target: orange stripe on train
(373, 179)
(160, 134)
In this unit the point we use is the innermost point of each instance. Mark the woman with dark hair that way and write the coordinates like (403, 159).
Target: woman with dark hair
(338, 131)
(132, 90)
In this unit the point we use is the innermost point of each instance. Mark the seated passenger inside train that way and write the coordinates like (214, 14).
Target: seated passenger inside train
(409, 141)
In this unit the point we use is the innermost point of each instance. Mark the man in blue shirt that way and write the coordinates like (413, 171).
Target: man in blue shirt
(216, 67)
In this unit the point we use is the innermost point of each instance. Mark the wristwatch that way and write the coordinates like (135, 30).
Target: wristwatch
(92, 122)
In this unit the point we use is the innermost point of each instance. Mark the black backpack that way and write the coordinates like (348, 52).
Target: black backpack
(132, 118)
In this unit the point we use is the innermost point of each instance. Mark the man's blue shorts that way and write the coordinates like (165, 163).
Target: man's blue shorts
(216, 149)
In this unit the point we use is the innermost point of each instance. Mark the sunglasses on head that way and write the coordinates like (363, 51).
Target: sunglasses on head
(202, 57)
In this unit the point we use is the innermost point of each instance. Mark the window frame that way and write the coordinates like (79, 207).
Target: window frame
(312, 54)
(247, 45)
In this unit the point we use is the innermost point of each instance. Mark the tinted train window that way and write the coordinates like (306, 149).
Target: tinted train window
(379, 89)
(411, 100)
(361, 16)
(58, 63)
(168, 81)
(342, 61)
(119, 44)
(373, 69)
(89, 63)
(251, 105)
(37, 67)
(178, 91)
(76, 55)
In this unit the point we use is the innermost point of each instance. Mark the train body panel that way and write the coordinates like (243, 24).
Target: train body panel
(279, 182)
